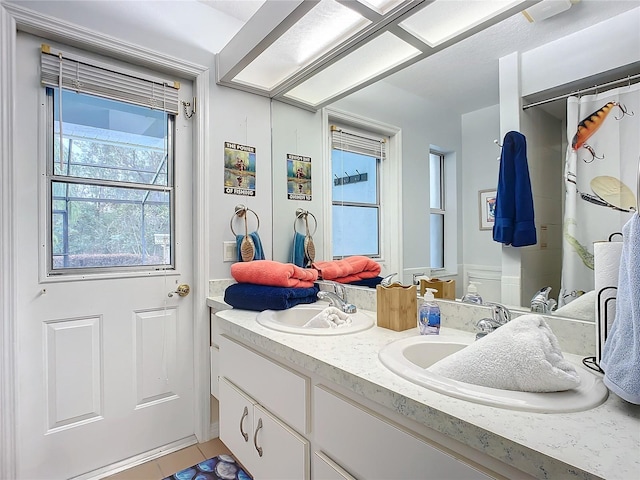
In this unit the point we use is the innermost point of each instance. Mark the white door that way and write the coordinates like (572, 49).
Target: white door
(105, 361)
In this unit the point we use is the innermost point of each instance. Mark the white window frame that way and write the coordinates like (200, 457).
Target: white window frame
(390, 182)
(439, 211)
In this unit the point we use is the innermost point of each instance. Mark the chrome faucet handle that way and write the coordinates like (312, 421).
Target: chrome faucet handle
(486, 326)
(335, 301)
(340, 291)
(500, 313)
(386, 281)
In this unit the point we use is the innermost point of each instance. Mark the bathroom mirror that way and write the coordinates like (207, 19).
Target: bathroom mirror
(461, 122)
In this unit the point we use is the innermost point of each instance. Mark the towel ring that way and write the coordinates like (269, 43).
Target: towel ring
(240, 212)
(303, 214)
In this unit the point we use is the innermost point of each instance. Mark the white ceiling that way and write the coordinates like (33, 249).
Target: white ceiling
(465, 76)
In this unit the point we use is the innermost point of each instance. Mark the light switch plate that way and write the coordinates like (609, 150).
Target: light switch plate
(229, 251)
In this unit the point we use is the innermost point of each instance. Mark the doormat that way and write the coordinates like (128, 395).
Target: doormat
(222, 467)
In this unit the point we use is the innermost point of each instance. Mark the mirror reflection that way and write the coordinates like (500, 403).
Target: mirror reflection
(451, 111)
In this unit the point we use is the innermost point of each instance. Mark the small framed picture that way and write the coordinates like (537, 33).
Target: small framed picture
(487, 204)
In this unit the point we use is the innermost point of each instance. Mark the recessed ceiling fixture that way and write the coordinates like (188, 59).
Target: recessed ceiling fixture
(312, 52)
(546, 9)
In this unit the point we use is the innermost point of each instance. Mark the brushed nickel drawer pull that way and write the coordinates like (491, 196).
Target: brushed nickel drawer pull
(245, 414)
(255, 438)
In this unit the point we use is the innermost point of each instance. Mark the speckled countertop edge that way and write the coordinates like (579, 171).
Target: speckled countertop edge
(600, 443)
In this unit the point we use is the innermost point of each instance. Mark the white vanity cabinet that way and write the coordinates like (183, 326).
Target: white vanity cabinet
(263, 406)
(368, 446)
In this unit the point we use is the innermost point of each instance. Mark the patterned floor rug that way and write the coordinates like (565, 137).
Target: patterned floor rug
(222, 467)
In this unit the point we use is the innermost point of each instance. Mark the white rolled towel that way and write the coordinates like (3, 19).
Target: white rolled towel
(330, 317)
(522, 355)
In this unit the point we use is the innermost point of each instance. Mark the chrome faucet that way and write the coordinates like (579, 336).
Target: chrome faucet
(499, 316)
(337, 298)
(541, 303)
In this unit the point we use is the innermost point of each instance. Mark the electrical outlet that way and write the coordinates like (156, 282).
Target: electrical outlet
(229, 251)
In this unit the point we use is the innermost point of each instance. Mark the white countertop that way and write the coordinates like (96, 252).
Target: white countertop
(603, 442)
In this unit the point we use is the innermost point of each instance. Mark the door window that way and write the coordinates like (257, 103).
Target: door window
(109, 170)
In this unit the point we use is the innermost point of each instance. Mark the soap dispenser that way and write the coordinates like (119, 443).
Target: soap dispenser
(472, 295)
(429, 314)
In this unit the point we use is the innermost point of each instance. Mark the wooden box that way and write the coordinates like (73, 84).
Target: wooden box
(397, 307)
(446, 289)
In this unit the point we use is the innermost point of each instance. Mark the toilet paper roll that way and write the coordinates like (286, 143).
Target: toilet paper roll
(606, 266)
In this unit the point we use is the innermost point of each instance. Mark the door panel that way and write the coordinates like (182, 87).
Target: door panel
(72, 356)
(105, 362)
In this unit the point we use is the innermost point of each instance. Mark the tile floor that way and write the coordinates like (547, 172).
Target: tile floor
(173, 462)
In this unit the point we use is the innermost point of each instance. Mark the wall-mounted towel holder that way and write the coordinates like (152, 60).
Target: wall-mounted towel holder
(304, 216)
(497, 142)
(348, 179)
(247, 247)
(308, 245)
(240, 211)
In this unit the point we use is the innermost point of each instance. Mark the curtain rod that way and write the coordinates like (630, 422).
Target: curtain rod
(596, 87)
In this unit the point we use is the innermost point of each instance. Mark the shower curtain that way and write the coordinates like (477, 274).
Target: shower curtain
(595, 171)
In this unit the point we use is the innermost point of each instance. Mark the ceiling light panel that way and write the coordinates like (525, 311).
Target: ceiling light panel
(321, 29)
(443, 20)
(381, 6)
(375, 57)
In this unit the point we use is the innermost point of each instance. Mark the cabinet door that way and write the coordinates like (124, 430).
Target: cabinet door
(236, 423)
(282, 453)
(371, 447)
(323, 468)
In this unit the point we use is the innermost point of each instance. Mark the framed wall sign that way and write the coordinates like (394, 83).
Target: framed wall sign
(487, 205)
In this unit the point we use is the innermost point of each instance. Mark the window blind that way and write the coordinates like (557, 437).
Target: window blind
(353, 142)
(82, 76)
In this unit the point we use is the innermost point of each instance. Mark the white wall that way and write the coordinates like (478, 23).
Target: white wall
(542, 263)
(298, 132)
(241, 118)
(481, 256)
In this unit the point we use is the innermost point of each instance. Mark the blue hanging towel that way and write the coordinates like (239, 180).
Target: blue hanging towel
(514, 224)
(298, 256)
(621, 352)
(259, 253)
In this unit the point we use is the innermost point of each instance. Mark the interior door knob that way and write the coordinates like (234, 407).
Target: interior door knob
(182, 290)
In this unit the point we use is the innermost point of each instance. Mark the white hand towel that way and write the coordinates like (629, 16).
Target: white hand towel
(583, 307)
(621, 352)
(522, 355)
(330, 317)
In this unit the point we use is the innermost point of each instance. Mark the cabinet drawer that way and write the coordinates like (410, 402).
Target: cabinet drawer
(283, 392)
(370, 447)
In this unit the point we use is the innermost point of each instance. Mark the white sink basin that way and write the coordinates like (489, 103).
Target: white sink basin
(293, 319)
(410, 357)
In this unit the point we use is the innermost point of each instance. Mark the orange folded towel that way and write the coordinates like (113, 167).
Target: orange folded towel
(274, 274)
(348, 269)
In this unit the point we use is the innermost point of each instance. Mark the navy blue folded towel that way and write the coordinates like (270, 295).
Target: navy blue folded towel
(249, 296)
(367, 282)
